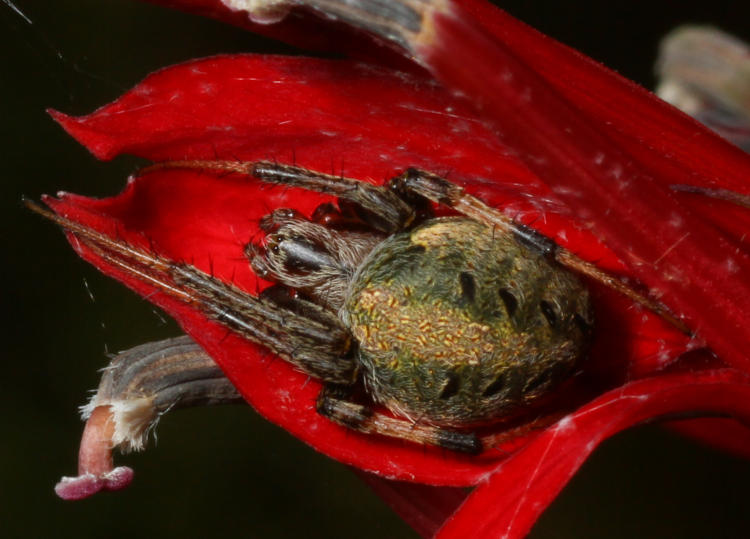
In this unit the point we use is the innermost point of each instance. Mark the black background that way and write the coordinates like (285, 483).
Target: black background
(225, 471)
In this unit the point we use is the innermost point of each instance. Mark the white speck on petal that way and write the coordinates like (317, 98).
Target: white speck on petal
(675, 220)
(565, 424)
(260, 11)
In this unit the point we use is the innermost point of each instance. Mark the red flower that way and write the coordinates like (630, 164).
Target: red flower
(547, 135)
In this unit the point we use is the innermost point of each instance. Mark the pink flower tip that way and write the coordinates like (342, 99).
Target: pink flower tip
(88, 484)
(95, 469)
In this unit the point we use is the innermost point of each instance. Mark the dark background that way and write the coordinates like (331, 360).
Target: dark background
(225, 471)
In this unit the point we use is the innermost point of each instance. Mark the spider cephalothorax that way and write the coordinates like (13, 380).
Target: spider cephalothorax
(449, 322)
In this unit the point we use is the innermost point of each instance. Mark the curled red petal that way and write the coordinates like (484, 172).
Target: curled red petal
(514, 495)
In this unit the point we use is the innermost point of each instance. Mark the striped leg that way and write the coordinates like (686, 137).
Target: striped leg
(333, 404)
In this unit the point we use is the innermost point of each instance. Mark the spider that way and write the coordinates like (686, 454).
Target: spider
(450, 323)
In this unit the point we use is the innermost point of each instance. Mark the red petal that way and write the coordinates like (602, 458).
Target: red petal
(423, 507)
(374, 122)
(519, 490)
(720, 433)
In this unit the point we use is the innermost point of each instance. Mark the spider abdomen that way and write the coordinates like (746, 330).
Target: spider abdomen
(458, 324)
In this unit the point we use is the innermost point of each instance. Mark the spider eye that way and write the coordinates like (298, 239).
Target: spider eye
(272, 243)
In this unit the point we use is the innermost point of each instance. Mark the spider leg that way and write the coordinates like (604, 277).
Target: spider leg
(318, 345)
(381, 209)
(440, 190)
(334, 404)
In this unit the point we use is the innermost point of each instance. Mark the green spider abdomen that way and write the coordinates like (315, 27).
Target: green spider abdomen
(458, 324)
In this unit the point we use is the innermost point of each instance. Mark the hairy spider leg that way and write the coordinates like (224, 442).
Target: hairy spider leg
(334, 402)
(441, 191)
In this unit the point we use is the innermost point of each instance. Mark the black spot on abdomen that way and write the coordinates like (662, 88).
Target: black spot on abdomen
(495, 387)
(450, 388)
(509, 300)
(468, 287)
(548, 310)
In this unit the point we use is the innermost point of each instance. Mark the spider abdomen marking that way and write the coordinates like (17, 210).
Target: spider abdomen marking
(458, 324)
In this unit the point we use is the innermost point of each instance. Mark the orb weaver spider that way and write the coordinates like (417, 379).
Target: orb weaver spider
(448, 322)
